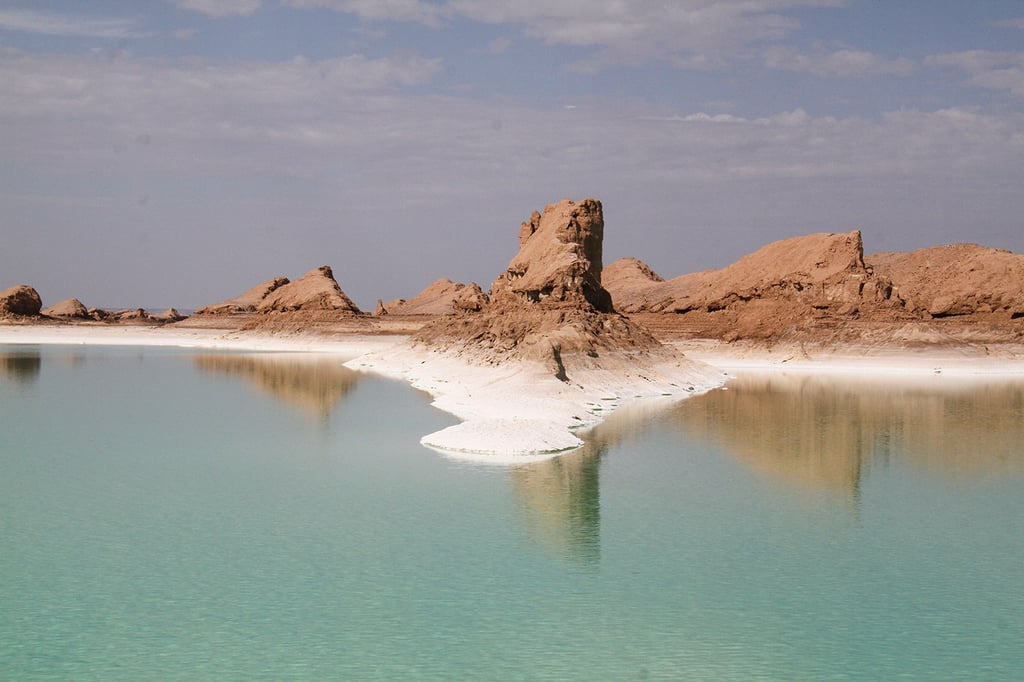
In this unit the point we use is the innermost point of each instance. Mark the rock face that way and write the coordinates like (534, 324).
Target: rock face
(70, 308)
(247, 302)
(794, 286)
(956, 280)
(549, 304)
(316, 290)
(785, 285)
(560, 259)
(21, 300)
(440, 298)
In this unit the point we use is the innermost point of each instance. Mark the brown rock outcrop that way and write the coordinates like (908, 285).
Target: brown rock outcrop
(821, 270)
(560, 259)
(956, 280)
(549, 304)
(169, 315)
(247, 302)
(20, 301)
(783, 286)
(316, 290)
(70, 308)
(441, 297)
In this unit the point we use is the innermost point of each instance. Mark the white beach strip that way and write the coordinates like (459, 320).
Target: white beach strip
(519, 408)
(1003, 360)
(343, 346)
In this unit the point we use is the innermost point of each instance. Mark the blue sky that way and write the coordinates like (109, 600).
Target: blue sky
(178, 152)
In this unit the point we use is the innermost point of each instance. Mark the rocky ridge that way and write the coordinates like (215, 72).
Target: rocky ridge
(809, 286)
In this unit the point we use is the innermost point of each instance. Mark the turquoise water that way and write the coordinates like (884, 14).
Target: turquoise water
(166, 514)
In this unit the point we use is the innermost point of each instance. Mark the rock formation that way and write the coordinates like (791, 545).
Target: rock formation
(785, 285)
(439, 298)
(956, 280)
(20, 301)
(802, 286)
(247, 302)
(549, 304)
(70, 308)
(169, 315)
(316, 290)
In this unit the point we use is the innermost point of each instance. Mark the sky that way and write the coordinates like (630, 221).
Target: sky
(159, 153)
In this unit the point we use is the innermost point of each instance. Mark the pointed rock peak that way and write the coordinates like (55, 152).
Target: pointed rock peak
(71, 307)
(316, 290)
(246, 302)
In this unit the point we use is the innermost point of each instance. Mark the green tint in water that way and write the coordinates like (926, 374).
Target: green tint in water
(172, 515)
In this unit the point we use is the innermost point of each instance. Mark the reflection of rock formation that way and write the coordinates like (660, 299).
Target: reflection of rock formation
(560, 503)
(826, 432)
(21, 366)
(560, 498)
(311, 384)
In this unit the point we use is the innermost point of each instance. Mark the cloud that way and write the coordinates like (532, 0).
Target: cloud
(987, 69)
(843, 62)
(1017, 22)
(221, 8)
(46, 23)
(499, 45)
(418, 11)
(685, 33)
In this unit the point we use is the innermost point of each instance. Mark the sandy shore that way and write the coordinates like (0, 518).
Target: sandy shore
(519, 410)
(346, 347)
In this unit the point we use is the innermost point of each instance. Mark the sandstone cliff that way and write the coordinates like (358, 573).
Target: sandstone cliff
(956, 280)
(808, 286)
(786, 285)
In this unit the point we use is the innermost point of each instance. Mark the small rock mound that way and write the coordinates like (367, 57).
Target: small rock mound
(316, 290)
(956, 280)
(70, 308)
(629, 280)
(20, 301)
(247, 302)
(442, 297)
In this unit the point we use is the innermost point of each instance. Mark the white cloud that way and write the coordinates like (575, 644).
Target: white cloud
(686, 33)
(843, 62)
(47, 23)
(987, 69)
(1017, 22)
(418, 11)
(221, 8)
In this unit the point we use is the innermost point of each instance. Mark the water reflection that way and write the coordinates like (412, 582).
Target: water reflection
(312, 384)
(560, 498)
(827, 432)
(560, 503)
(21, 366)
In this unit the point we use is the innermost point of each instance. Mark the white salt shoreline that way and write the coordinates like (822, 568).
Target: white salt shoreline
(519, 412)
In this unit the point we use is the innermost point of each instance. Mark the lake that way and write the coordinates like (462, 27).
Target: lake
(176, 514)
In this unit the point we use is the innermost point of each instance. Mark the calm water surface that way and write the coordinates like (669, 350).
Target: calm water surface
(166, 514)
